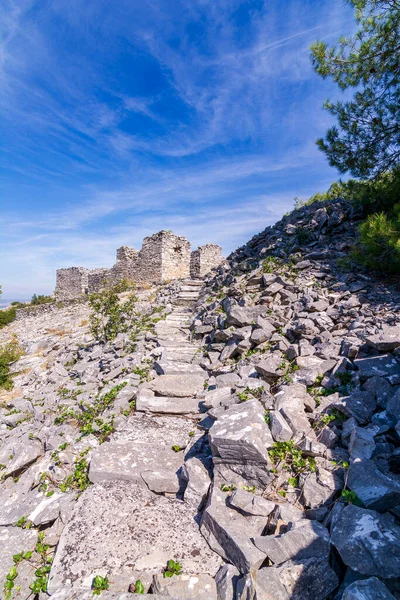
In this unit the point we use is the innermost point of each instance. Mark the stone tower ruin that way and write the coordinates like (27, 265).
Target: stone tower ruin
(164, 256)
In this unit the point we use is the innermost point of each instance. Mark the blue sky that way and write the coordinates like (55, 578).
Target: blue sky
(118, 119)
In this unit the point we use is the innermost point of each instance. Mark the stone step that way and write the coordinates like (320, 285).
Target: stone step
(168, 405)
(175, 343)
(188, 289)
(167, 367)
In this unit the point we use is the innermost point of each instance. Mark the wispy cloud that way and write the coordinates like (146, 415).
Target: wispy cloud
(118, 118)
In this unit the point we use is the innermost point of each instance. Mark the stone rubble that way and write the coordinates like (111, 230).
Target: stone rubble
(253, 436)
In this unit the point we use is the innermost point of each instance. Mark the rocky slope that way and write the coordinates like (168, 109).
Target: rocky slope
(252, 436)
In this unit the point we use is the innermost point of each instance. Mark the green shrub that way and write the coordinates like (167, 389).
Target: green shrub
(41, 299)
(109, 315)
(8, 354)
(7, 316)
(379, 243)
(381, 193)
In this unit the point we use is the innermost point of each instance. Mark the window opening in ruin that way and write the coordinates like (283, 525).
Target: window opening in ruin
(178, 249)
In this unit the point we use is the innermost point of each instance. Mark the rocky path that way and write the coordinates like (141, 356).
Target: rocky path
(252, 435)
(134, 519)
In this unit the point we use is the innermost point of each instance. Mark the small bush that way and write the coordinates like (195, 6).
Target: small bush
(41, 299)
(111, 316)
(9, 353)
(379, 246)
(7, 316)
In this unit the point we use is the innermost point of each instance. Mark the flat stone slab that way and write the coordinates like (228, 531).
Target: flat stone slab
(386, 340)
(118, 461)
(368, 542)
(177, 386)
(164, 430)
(198, 587)
(171, 367)
(250, 504)
(123, 531)
(167, 405)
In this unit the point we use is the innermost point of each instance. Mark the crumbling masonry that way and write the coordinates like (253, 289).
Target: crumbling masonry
(164, 256)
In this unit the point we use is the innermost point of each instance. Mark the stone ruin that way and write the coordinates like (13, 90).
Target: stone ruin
(164, 256)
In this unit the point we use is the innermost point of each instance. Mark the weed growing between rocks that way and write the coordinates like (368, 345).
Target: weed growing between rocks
(42, 562)
(172, 568)
(79, 479)
(288, 456)
(139, 587)
(99, 584)
(88, 419)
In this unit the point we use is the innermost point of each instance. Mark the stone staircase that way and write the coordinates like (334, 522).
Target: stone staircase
(189, 292)
(179, 355)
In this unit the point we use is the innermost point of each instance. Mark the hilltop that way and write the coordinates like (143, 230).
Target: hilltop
(240, 439)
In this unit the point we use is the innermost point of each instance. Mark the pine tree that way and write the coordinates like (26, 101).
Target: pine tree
(366, 140)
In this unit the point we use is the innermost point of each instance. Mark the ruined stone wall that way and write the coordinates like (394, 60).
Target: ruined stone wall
(99, 279)
(127, 263)
(149, 262)
(204, 259)
(164, 256)
(71, 283)
(175, 257)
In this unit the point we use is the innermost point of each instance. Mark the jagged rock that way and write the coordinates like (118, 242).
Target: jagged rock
(361, 443)
(375, 490)
(393, 408)
(18, 454)
(360, 405)
(195, 472)
(261, 335)
(229, 533)
(304, 540)
(219, 397)
(367, 541)
(229, 380)
(118, 461)
(383, 366)
(272, 367)
(367, 589)
(320, 487)
(177, 386)
(280, 429)
(308, 579)
(198, 587)
(250, 504)
(244, 316)
(161, 482)
(226, 581)
(380, 388)
(246, 588)
(269, 585)
(240, 438)
(122, 530)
